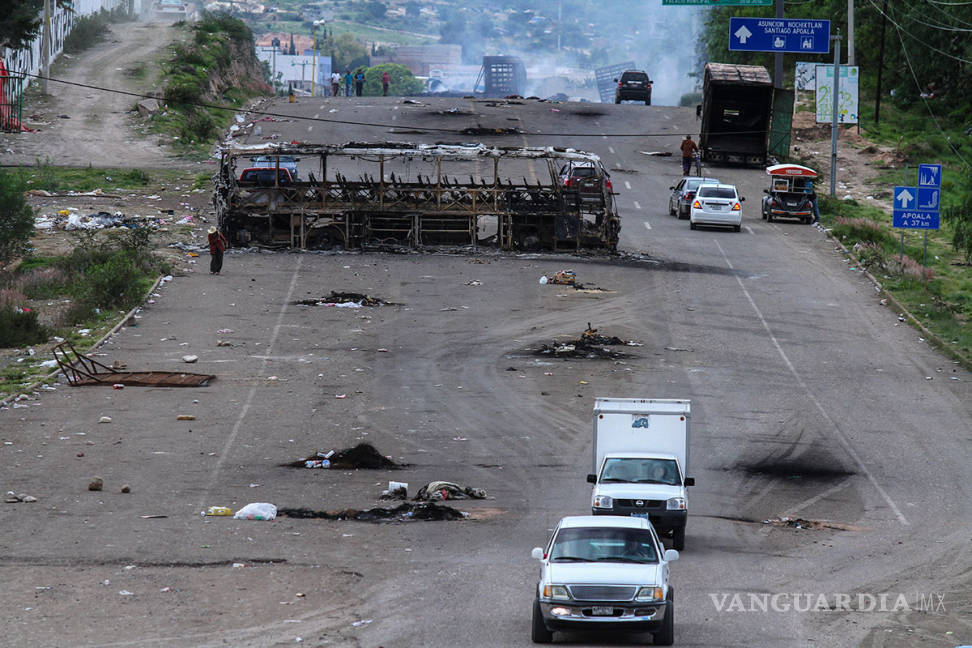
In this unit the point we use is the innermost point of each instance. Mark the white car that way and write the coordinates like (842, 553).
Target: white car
(604, 573)
(716, 204)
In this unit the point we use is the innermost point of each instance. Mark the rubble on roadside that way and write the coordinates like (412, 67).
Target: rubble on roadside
(343, 299)
(590, 344)
(437, 491)
(362, 456)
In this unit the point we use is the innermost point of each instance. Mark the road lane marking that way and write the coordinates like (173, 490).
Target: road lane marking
(838, 433)
(793, 510)
(231, 439)
(611, 149)
(627, 185)
(637, 205)
(749, 229)
(316, 115)
(647, 224)
(310, 128)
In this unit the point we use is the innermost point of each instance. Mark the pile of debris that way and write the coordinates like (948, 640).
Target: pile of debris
(363, 455)
(591, 345)
(437, 491)
(403, 512)
(343, 300)
(69, 220)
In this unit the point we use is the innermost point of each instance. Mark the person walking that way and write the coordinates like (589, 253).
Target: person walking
(358, 82)
(689, 148)
(217, 245)
(347, 82)
(385, 80)
(335, 83)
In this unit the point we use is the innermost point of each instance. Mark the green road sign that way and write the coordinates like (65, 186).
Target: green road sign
(720, 3)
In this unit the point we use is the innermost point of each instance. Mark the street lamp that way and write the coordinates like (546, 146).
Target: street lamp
(314, 75)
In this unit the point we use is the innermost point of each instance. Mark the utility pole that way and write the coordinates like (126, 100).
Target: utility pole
(778, 57)
(850, 32)
(877, 98)
(560, 21)
(834, 125)
(46, 46)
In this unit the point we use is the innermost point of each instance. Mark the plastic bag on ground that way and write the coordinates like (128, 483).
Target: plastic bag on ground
(257, 511)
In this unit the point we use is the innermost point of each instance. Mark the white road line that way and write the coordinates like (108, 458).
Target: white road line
(627, 185)
(231, 439)
(647, 225)
(793, 510)
(838, 433)
(310, 128)
(637, 205)
(749, 229)
(603, 136)
(611, 149)
(316, 115)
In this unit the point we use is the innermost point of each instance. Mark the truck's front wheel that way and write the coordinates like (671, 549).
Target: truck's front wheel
(666, 636)
(539, 632)
(678, 538)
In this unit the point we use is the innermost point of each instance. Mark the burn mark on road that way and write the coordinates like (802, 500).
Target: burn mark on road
(808, 468)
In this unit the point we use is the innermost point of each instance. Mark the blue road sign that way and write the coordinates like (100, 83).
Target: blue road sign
(800, 35)
(917, 207)
(930, 175)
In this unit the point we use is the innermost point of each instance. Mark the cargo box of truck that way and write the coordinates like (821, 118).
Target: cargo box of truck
(641, 461)
(736, 112)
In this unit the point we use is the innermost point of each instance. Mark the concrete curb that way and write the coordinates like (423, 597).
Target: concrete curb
(936, 341)
(40, 381)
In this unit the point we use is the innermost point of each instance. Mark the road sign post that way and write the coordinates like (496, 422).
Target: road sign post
(917, 207)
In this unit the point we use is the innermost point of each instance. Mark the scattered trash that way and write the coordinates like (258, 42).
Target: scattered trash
(118, 386)
(544, 280)
(224, 330)
(657, 153)
(340, 395)
(218, 511)
(189, 359)
(126, 488)
(96, 484)
(256, 511)
(186, 417)
(362, 622)
(474, 282)
(362, 455)
(564, 278)
(396, 490)
(436, 491)
(13, 498)
(239, 565)
(590, 345)
(126, 593)
(104, 419)
(343, 300)
(405, 511)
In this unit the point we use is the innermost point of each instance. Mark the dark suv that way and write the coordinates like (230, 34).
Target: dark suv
(634, 84)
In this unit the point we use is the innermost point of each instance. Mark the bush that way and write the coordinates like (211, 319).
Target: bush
(16, 217)
(20, 327)
(200, 126)
(862, 229)
(183, 91)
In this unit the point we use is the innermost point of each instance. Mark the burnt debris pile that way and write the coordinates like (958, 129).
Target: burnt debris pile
(362, 456)
(336, 297)
(591, 344)
(402, 512)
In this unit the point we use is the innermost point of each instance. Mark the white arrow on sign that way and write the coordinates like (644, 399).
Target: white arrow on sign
(743, 34)
(905, 197)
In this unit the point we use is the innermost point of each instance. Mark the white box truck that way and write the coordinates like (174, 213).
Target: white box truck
(641, 462)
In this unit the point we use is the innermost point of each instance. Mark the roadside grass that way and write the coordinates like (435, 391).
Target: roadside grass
(212, 63)
(91, 30)
(55, 179)
(369, 34)
(940, 297)
(104, 276)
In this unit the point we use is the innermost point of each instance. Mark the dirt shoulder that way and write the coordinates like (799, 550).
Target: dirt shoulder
(80, 125)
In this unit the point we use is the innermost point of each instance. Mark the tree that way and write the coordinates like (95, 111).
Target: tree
(402, 81)
(346, 51)
(376, 9)
(16, 217)
(22, 22)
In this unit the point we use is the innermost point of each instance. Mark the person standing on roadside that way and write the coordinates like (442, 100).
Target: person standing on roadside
(358, 82)
(217, 245)
(347, 82)
(385, 80)
(689, 148)
(335, 83)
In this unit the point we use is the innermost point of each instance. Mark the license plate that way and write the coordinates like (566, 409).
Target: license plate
(641, 515)
(716, 207)
(600, 610)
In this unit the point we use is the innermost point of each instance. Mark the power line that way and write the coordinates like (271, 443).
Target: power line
(913, 37)
(397, 125)
(937, 8)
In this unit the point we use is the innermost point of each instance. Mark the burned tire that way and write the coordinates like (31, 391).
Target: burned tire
(666, 636)
(735, 228)
(539, 632)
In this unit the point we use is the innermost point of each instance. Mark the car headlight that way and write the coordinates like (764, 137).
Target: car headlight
(649, 593)
(555, 592)
(603, 501)
(677, 504)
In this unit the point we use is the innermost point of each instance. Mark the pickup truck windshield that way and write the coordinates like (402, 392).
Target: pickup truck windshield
(608, 544)
(640, 471)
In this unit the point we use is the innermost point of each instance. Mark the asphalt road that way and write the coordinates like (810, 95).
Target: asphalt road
(809, 400)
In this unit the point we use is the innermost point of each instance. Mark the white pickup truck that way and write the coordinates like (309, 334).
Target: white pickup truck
(641, 457)
(604, 574)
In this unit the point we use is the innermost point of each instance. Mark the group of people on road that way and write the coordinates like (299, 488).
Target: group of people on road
(354, 83)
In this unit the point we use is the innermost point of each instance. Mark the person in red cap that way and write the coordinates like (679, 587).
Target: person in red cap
(217, 245)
